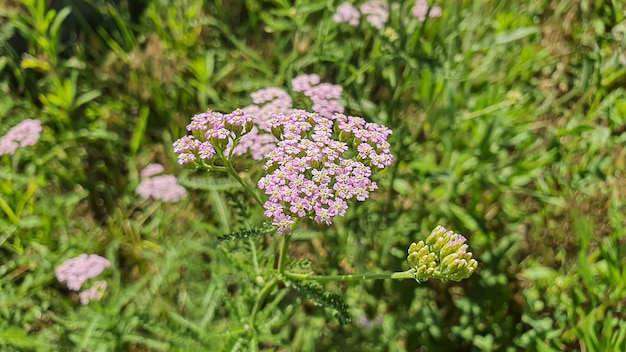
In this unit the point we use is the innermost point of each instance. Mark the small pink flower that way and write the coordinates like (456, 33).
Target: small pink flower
(151, 170)
(162, 187)
(309, 175)
(24, 134)
(74, 272)
(347, 13)
(377, 13)
(420, 10)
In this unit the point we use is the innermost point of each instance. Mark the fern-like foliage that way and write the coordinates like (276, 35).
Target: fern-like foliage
(301, 265)
(240, 207)
(316, 293)
(209, 184)
(257, 232)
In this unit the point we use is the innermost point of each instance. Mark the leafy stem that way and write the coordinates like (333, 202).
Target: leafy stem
(409, 274)
(284, 254)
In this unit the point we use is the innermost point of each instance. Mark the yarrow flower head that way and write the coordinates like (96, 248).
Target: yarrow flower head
(376, 12)
(151, 170)
(319, 164)
(347, 13)
(24, 134)
(164, 187)
(76, 271)
(325, 98)
(259, 141)
(303, 83)
(420, 10)
(212, 133)
(443, 255)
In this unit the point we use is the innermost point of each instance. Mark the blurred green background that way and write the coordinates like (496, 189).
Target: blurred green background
(509, 122)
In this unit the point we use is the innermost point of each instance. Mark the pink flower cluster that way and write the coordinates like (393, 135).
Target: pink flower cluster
(347, 13)
(420, 10)
(23, 134)
(325, 98)
(311, 171)
(212, 132)
(164, 187)
(151, 170)
(376, 13)
(76, 271)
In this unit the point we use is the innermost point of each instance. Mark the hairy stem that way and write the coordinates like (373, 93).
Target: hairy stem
(284, 254)
(409, 274)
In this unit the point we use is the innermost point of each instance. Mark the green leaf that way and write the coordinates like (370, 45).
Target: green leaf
(258, 232)
(316, 293)
(209, 184)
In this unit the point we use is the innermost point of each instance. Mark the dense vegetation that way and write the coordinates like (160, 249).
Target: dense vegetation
(509, 127)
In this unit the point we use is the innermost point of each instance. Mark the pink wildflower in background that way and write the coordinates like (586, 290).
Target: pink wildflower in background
(420, 10)
(304, 82)
(24, 134)
(151, 170)
(309, 174)
(325, 98)
(260, 140)
(74, 272)
(376, 12)
(162, 187)
(275, 98)
(347, 13)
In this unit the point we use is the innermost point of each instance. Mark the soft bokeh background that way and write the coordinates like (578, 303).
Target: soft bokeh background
(509, 127)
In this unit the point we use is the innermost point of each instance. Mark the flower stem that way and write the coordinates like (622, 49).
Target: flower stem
(409, 274)
(261, 297)
(231, 170)
(284, 254)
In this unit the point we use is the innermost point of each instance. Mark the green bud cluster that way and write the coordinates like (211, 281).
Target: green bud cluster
(443, 255)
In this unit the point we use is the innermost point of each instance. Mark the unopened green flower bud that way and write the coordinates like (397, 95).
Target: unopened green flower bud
(443, 255)
(413, 259)
(455, 243)
(472, 264)
(249, 126)
(414, 247)
(430, 259)
(435, 234)
(439, 243)
(419, 254)
(199, 135)
(447, 260)
(278, 131)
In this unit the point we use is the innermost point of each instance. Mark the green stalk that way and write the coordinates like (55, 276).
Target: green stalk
(261, 297)
(409, 274)
(284, 254)
(231, 170)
